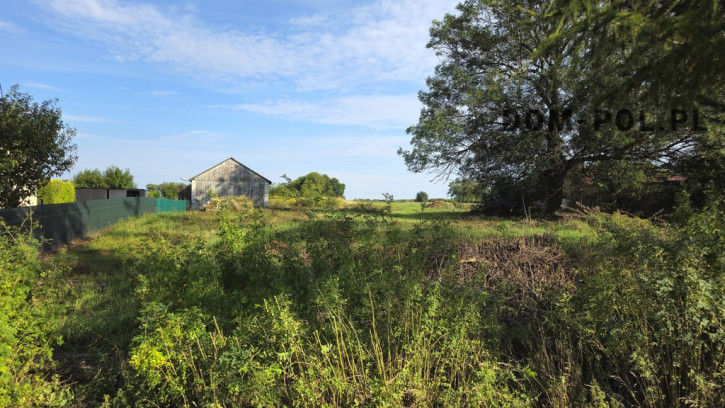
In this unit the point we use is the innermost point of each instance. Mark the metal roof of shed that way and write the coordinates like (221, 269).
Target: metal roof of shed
(236, 161)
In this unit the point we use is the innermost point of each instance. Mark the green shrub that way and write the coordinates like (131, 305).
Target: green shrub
(57, 192)
(327, 203)
(28, 326)
(334, 312)
(332, 203)
(421, 197)
(234, 204)
(167, 189)
(281, 191)
(647, 324)
(345, 309)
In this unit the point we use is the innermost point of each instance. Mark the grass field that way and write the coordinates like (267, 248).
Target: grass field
(416, 306)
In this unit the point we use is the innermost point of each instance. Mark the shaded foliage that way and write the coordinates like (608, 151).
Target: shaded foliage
(167, 189)
(464, 191)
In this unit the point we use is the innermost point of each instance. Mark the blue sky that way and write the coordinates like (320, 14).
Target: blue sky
(170, 88)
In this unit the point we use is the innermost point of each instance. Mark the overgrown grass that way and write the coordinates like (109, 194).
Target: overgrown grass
(390, 307)
(97, 292)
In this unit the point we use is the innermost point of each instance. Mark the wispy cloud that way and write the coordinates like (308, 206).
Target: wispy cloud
(380, 42)
(85, 119)
(38, 85)
(10, 27)
(375, 111)
(162, 93)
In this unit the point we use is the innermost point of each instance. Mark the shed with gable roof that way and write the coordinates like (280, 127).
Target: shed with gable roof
(229, 178)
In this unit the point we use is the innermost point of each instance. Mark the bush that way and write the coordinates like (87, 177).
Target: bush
(334, 312)
(281, 191)
(348, 309)
(89, 179)
(332, 203)
(27, 326)
(167, 189)
(233, 204)
(421, 197)
(57, 192)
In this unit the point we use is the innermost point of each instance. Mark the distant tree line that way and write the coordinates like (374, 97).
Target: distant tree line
(112, 177)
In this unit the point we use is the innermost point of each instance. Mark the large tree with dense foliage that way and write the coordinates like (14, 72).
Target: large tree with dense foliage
(670, 48)
(671, 55)
(35, 145)
(514, 110)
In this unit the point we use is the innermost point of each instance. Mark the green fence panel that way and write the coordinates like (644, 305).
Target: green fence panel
(62, 223)
(164, 205)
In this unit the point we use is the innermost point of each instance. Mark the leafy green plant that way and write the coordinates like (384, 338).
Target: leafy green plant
(350, 308)
(57, 192)
(28, 325)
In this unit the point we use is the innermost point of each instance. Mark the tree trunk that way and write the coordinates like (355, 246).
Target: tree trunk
(554, 190)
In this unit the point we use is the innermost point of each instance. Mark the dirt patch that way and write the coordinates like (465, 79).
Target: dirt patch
(526, 267)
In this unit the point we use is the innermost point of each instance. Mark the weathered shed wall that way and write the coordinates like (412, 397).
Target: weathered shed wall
(229, 178)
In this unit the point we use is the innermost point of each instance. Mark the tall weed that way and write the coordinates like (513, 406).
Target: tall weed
(28, 325)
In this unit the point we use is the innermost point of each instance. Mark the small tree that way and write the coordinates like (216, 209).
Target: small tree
(421, 197)
(153, 190)
(57, 192)
(171, 189)
(89, 179)
(117, 178)
(35, 145)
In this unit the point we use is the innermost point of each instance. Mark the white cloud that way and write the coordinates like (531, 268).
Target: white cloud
(153, 160)
(85, 119)
(38, 85)
(10, 27)
(375, 111)
(380, 42)
(162, 93)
